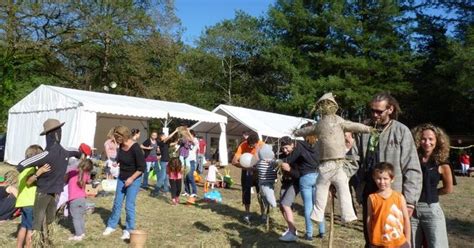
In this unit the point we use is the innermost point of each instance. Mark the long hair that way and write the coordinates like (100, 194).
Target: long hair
(441, 151)
(174, 165)
(84, 166)
(391, 101)
(122, 134)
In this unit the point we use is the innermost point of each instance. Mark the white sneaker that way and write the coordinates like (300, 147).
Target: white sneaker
(287, 230)
(108, 231)
(289, 237)
(125, 235)
(184, 194)
(194, 195)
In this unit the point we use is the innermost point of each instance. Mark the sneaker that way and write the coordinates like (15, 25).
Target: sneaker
(287, 230)
(247, 219)
(263, 217)
(194, 195)
(125, 235)
(108, 231)
(76, 238)
(289, 237)
(309, 238)
(184, 194)
(321, 235)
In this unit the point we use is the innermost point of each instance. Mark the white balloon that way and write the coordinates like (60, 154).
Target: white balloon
(247, 160)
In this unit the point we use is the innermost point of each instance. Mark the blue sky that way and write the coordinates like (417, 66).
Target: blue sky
(195, 15)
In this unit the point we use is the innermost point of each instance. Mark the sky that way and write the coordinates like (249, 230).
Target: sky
(195, 15)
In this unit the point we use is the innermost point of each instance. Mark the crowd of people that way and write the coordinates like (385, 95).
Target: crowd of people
(393, 170)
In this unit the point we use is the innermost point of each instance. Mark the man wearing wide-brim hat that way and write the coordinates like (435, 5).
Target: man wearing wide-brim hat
(51, 183)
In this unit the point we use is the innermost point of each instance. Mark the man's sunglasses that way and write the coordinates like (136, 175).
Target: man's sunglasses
(379, 112)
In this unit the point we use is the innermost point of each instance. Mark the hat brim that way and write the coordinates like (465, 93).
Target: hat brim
(51, 129)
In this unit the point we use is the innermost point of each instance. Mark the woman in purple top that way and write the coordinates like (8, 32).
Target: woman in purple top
(150, 148)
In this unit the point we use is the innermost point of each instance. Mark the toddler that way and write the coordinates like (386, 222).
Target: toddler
(388, 221)
(212, 173)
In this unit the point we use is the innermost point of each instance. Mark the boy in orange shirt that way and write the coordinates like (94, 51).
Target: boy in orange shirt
(388, 221)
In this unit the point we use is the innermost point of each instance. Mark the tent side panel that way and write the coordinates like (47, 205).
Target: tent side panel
(24, 128)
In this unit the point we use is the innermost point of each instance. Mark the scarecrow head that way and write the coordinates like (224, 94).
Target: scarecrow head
(52, 130)
(327, 105)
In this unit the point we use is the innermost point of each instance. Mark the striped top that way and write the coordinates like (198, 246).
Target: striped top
(266, 171)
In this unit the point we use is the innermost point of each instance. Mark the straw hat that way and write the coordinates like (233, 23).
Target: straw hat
(51, 124)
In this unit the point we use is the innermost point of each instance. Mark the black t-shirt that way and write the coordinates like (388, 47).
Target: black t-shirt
(431, 177)
(165, 156)
(130, 161)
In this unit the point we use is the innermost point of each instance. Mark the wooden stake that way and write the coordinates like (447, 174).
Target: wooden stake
(331, 231)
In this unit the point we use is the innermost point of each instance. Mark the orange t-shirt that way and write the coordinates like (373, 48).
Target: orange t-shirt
(387, 220)
(244, 148)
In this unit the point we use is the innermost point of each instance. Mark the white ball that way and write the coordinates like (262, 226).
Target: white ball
(247, 160)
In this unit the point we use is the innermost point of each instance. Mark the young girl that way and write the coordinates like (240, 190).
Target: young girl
(388, 221)
(175, 175)
(212, 172)
(77, 179)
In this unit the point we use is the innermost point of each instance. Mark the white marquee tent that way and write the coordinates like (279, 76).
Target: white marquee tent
(89, 115)
(265, 124)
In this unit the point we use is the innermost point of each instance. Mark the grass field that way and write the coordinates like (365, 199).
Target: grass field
(219, 225)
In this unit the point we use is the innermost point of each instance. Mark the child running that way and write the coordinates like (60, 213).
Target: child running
(77, 179)
(388, 221)
(175, 175)
(26, 196)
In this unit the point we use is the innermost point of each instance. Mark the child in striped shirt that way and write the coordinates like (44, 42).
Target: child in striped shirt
(267, 175)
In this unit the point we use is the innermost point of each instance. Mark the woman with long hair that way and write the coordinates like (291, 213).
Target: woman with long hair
(428, 221)
(132, 164)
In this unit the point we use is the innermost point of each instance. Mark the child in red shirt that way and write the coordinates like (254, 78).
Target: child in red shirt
(388, 221)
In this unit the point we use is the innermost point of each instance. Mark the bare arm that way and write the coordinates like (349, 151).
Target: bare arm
(12, 190)
(406, 220)
(369, 218)
(447, 179)
(33, 177)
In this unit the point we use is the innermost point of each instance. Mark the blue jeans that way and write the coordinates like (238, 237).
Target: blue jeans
(149, 165)
(130, 195)
(308, 194)
(161, 176)
(189, 179)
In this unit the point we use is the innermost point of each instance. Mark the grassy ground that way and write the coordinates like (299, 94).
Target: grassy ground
(219, 225)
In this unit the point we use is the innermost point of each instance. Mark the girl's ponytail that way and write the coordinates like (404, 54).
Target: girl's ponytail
(85, 165)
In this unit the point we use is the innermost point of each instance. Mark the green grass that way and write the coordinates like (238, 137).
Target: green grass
(219, 225)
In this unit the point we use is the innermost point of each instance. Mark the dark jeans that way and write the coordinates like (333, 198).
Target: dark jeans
(248, 180)
(44, 208)
(175, 185)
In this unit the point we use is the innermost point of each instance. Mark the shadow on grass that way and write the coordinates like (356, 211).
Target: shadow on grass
(103, 213)
(459, 227)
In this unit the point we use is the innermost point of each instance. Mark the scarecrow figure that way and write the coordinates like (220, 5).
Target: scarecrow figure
(332, 152)
(49, 184)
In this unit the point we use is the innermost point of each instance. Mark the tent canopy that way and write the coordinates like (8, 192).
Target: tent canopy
(83, 110)
(47, 98)
(243, 119)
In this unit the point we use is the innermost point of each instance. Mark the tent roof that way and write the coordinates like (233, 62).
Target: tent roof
(46, 98)
(242, 119)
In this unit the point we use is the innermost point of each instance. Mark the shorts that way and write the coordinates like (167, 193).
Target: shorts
(288, 193)
(27, 218)
(248, 179)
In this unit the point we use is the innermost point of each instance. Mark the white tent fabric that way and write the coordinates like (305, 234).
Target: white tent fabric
(80, 110)
(243, 119)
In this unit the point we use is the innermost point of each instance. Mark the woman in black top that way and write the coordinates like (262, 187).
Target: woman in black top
(428, 222)
(132, 164)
